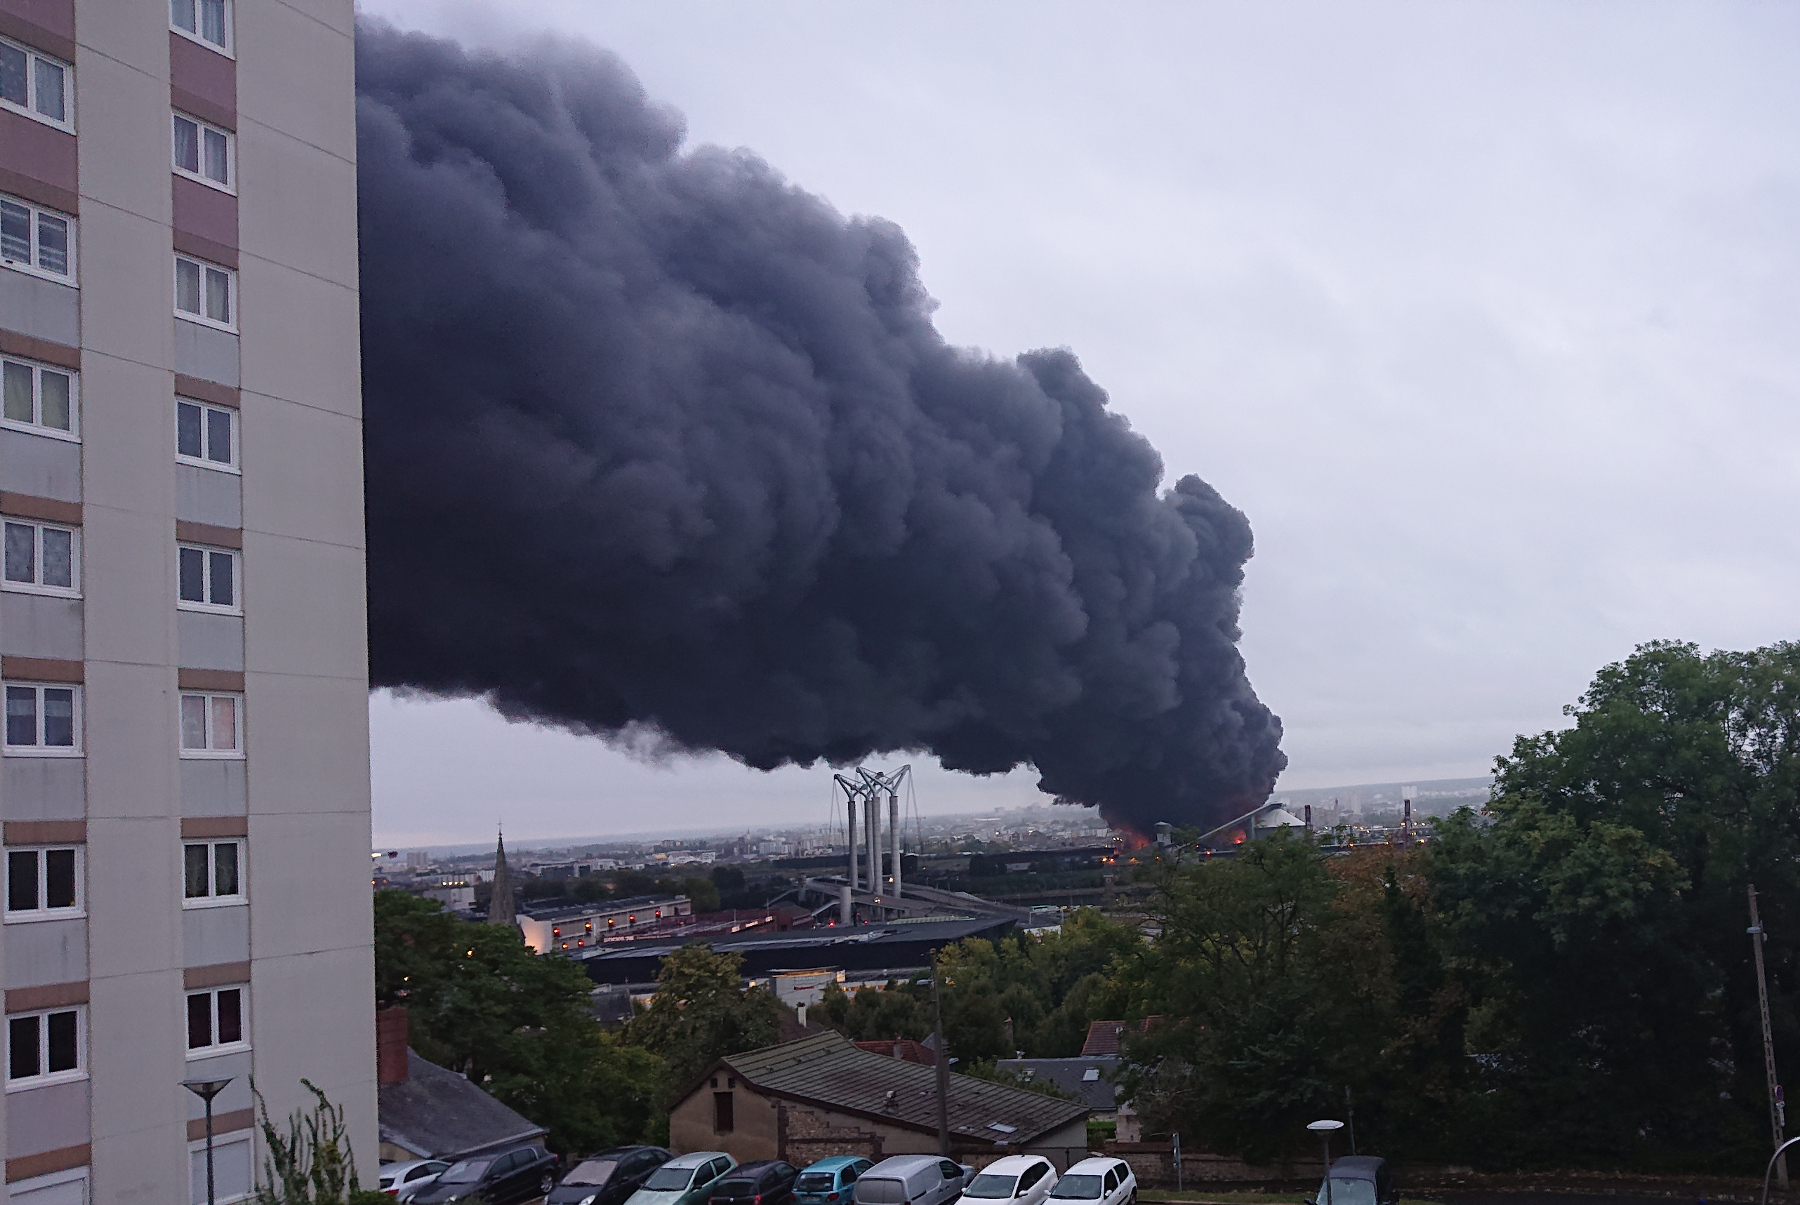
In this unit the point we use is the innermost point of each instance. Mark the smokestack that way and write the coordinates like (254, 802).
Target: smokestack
(764, 506)
(850, 832)
(1309, 818)
(846, 911)
(390, 1046)
(894, 832)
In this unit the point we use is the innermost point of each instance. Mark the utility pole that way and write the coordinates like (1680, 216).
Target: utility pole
(1757, 937)
(943, 1064)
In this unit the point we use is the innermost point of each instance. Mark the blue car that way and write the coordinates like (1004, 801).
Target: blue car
(829, 1181)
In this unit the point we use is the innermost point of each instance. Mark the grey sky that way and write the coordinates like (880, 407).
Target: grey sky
(1484, 314)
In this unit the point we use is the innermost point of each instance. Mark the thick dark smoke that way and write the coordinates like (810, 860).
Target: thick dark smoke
(657, 441)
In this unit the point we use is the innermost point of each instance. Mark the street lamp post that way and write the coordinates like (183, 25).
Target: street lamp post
(1325, 1129)
(206, 1089)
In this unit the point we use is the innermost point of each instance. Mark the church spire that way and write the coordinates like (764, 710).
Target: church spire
(500, 904)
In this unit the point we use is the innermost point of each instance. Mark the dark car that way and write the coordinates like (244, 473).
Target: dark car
(505, 1179)
(760, 1182)
(609, 1177)
(1359, 1180)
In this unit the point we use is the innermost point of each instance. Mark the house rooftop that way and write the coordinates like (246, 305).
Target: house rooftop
(437, 1114)
(1084, 1079)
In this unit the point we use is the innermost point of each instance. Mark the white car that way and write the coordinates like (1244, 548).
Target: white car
(403, 1181)
(1023, 1179)
(1097, 1181)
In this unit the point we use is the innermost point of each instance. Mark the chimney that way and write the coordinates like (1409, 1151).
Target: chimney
(390, 1046)
(801, 1013)
(1309, 817)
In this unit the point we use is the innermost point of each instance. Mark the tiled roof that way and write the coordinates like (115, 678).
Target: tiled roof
(902, 1048)
(437, 1114)
(1105, 1037)
(829, 1070)
(1073, 1077)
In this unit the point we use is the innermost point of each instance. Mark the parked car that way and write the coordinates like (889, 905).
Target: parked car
(683, 1180)
(521, 1175)
(1101, 1180)
(829, 1180)
(759, 1182)
(608, 1177)
(404, 1181)
(1026, 1179)
(1360, 1180)
(913, 1180)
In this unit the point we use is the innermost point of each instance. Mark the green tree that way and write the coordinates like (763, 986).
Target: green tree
(701, 1012)
(519, 1024)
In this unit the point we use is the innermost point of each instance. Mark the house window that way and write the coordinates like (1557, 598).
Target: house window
(37, 398)
(722, 1118)
(212, 872)
(35, 84)
(40, 558)
(231, 1169)
(44, 1048)
(206, 579)
(210, 725)
(37, 240)
(43, 884)
(203, 152)
(205, 21)
(43, 719)
(203, 293)
(57, 1188)
(215, 1021)
(206, 435)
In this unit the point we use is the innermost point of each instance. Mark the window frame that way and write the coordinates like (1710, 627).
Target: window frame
(205, 265)
(45, 1078)
(202, 461)
(29, 108)
(212, 899)
(21, 1189)
(201, 126)
(236, 607)
(208, 753)
(8, 749)
(197, 1146)
(38, 527)
(36, 426)
(217, 1048)
(41, 912)
(69, 278)
(194, 35)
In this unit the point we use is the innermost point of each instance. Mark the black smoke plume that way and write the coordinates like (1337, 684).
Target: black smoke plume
(658, 442)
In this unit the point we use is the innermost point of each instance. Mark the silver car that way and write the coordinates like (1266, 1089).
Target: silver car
(403, 1181)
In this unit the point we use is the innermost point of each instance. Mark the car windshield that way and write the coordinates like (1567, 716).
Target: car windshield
(1348, 1192)
(1077, 1188)
(592, 1172)
(997, 1187)
(669, 1179)
(466, 1172)
(813, 1182)
(879, 1191)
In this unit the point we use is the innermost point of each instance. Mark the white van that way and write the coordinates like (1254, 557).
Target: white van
(913, 1180)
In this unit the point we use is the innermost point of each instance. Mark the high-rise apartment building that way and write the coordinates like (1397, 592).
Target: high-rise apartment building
(184, 777)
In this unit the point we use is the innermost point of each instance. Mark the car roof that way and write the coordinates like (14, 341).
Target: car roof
(1358, 1167)
(903, 1163)
(755, 1166)
(833, 1162)
(613, 1152)
(694, 1158)
(406, 1165)
(1012, 1165)
(1095, 1165)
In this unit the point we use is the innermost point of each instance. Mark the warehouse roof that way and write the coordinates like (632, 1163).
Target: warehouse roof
(828, 1070)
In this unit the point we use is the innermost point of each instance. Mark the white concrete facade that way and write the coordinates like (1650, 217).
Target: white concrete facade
(290, 803)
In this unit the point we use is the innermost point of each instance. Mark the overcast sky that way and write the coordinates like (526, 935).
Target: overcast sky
(1485, 314)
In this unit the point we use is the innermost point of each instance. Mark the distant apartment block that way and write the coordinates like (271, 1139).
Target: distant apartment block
(184, 777)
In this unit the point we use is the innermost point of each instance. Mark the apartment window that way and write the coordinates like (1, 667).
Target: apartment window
(203, 293)
(203, 152)
(207, 21)
(35, 84)
(215, 1020)
(40, 558)
(37, 240)
(232, 1180)
(44, 1048)
(211, 725)
(57, 1188)
(213, 873)
(38, 398)
(206, 579)
(43, 884)
(43, 719)
(206, 435)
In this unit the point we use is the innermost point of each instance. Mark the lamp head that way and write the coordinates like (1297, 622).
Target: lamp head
(205, 1089)
(1325, 1127)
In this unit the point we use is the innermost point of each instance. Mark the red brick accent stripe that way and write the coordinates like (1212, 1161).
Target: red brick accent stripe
(205, 391)
(49, 995)
(223, 1124)
(59, 354)
(46, 832)
(35, 35)
(29, 506)
(210, 679)
(220, 974)
(26, 1167)
(40, 669)
(214, 826)
(204, 533)
(205, 248)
